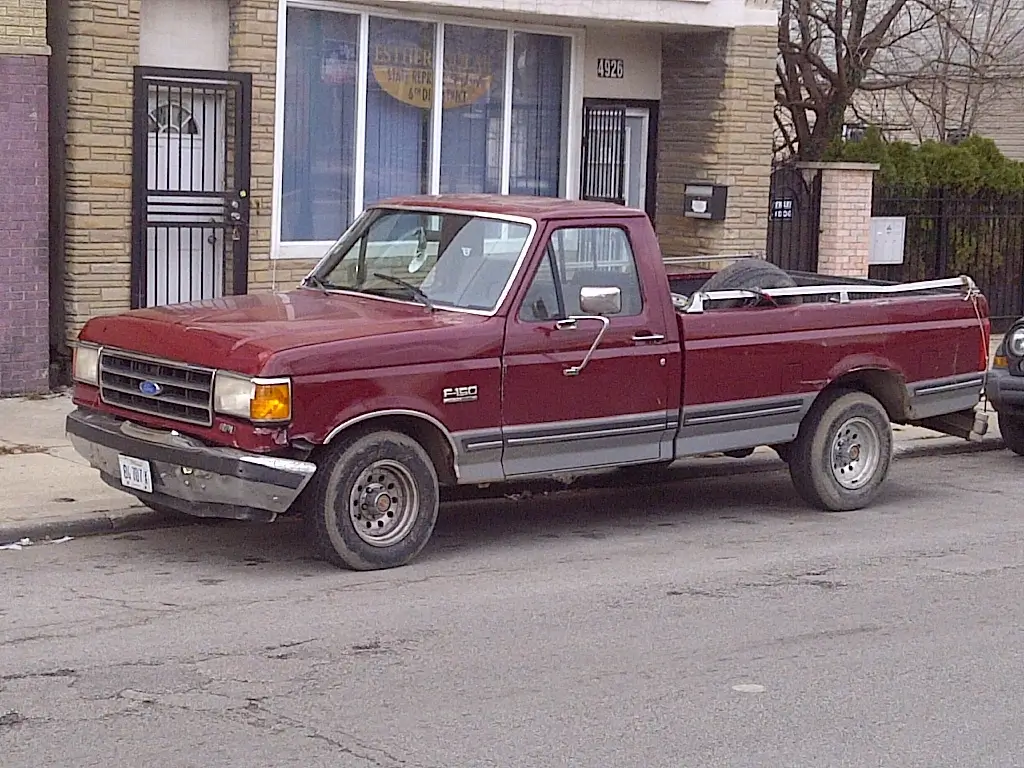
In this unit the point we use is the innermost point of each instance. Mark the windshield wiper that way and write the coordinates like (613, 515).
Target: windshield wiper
(409, 287)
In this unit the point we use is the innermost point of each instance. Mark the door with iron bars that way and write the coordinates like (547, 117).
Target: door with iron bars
(190, 185)
(603, 166)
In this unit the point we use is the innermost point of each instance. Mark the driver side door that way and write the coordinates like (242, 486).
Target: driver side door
(561, 410)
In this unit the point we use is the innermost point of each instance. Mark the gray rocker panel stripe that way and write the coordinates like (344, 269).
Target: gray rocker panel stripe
(488, 455)
(705, 429)
(472, 441)
(584, 429)
(741, 424)
(946, 395)
(721, 413)
(941, 386)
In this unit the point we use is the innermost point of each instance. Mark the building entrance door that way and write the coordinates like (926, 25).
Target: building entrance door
(190, 178)
(619, 151)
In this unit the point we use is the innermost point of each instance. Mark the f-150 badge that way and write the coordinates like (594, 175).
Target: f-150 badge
(460, 394)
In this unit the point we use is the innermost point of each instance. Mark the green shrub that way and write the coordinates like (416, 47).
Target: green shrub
(973, 165)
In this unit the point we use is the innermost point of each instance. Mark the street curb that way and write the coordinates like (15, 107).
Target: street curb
(91, 524)
(142, 518)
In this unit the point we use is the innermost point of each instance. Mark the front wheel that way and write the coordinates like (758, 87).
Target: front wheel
(374, 505)
(1011, 427)
(842, 452)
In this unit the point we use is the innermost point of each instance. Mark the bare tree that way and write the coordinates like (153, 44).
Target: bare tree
(828, 51)
(961, 66)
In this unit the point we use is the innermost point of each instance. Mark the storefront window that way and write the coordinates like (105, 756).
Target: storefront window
(399, 95)
(471, 124)
(319, 124)
(322, 93)
(537, 120)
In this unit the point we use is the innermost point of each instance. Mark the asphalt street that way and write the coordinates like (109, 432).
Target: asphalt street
(711, 622)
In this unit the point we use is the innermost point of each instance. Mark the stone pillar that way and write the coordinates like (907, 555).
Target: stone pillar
(103, 49)
(24, 199)
(844, 240)
(253, 48)
(716, 125)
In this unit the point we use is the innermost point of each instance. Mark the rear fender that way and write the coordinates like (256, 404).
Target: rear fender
(875, 376)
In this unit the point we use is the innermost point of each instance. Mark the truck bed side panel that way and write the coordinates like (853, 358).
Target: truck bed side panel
(751, 374)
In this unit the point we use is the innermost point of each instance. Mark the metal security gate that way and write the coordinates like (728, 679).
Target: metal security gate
(794, 215)
(604, 151)
(190, 185)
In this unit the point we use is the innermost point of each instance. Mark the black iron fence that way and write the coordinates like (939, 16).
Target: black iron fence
(794, 212)
(950, 233)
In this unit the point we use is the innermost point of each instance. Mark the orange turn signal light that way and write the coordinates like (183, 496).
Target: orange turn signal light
(999, 361)
(271, 402)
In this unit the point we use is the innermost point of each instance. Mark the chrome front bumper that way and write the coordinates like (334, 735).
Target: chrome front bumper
(188, 475)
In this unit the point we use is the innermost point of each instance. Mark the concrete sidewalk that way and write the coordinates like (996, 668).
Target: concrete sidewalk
(48, 491)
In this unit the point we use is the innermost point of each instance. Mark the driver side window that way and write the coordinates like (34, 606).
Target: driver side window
(541, 303)
(582, 257)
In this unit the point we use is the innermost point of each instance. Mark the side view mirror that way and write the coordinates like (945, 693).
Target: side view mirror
(601, 301)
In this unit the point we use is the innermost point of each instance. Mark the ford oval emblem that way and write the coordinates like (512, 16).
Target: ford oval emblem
(150, 388)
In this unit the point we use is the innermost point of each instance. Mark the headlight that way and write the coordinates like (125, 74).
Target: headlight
(86, 368)
(1015, 343)
(259, 400)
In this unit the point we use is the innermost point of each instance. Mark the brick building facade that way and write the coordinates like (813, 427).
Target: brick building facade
(692, 83)
(24, 199)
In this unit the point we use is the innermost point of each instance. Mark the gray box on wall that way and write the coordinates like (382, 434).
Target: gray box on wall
(703, 200)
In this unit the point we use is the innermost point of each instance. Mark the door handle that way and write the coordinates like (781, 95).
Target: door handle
(640, 338)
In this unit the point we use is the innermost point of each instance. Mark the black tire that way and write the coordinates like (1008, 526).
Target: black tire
(1011, 427)
(750, 274)
(401, 475)
(855, 483)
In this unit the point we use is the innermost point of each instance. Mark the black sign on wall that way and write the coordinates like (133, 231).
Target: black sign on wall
(611, 69)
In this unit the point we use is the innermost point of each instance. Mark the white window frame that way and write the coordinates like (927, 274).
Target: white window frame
(571, 128)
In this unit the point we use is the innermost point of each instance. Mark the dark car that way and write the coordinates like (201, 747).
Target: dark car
(1005, 387)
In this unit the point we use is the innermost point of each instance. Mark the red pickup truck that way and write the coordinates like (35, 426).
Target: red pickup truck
(480, 339)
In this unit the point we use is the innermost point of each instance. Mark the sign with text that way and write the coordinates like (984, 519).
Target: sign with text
(406, 72)
(611, 69)
(782, 208)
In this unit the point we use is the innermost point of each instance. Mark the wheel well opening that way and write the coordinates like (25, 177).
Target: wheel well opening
(886, 387)
(433, 440)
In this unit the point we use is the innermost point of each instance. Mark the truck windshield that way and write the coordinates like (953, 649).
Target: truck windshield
(444, 259)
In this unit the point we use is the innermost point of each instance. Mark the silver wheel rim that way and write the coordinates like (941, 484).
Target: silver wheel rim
(384, 503)
(856, 453)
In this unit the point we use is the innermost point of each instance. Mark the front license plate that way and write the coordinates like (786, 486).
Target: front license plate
(135, 474)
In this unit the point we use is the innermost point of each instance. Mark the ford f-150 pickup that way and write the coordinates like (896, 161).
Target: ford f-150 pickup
(482, 339)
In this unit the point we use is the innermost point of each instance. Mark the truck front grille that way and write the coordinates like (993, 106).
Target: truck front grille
(157, 387)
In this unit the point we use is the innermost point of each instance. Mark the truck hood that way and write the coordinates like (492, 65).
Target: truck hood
(244, 333)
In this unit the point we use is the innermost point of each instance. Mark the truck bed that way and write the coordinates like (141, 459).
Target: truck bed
(922, 354)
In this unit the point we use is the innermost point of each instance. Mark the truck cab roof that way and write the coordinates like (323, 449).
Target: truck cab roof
(537, 208)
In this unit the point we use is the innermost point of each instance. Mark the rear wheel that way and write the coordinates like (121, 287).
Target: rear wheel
(843, 451)
(374, 503)
(1012, 429)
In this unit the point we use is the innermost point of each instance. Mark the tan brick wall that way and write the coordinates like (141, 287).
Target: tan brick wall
(103, 46)
(23, 27)
(716, 125)
(254, 49)
(844, 242)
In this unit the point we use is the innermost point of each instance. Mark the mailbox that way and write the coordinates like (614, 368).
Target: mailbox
(702, 200)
